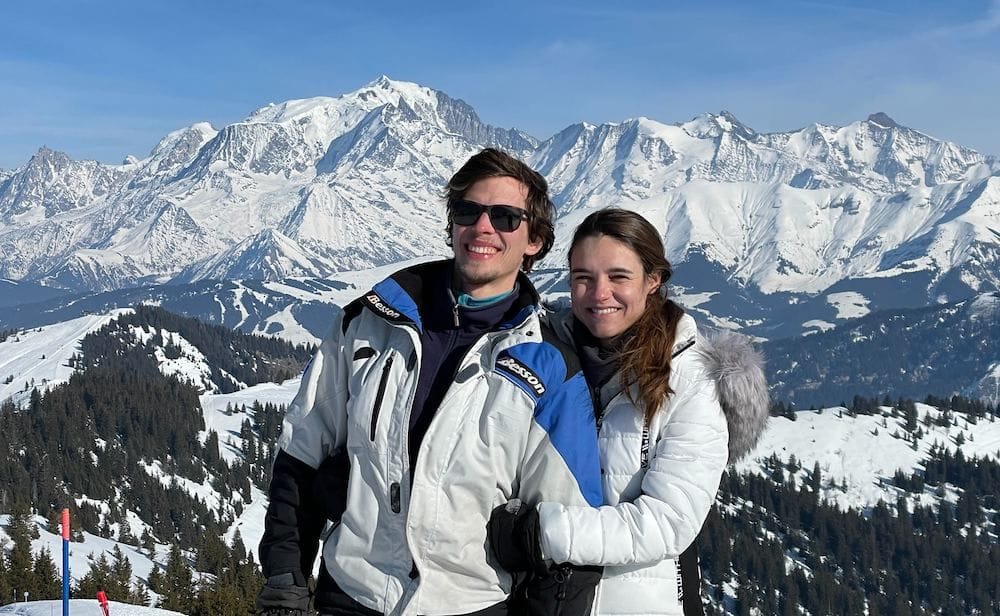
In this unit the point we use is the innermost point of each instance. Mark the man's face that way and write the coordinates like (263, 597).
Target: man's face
(487, 260)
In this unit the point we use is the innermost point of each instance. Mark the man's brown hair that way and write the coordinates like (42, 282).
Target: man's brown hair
(493, 163)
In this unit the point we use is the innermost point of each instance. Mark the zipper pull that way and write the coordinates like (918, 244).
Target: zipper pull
(454, 307)
(562, 575)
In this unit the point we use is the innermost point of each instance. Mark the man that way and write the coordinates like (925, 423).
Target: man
(436, 398)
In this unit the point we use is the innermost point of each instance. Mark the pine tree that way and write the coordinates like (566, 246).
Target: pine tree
(5, 586)
(97, 578)
(148, 544)
(47, 583)
(815, 479)
(140, 594)
(177, 589)
(20, 565)
(125, 535)
(155, 579)
(120, 581)
(793, 464)
(211, 553)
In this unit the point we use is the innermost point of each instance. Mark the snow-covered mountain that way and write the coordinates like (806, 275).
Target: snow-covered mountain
(296, 309)
(758, 223)
(307, 187)
(871, 208)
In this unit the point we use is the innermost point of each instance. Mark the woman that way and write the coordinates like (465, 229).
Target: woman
(659, 390)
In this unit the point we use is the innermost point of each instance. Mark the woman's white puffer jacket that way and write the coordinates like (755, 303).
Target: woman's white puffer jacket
(653, 511)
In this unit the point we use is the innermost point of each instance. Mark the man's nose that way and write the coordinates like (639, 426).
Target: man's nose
(483, 223)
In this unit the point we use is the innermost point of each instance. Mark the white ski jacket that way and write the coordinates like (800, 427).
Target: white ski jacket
(654, 510)
(516, 422)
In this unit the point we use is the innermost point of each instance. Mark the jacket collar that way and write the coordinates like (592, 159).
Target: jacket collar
(409, 295)
(731, 360)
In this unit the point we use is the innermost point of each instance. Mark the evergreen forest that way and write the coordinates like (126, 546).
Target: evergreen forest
(772, 544)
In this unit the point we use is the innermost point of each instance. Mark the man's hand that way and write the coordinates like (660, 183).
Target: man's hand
(286, 594)
(513, 534)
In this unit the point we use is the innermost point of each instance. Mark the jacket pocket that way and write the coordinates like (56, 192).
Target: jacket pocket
(379, 395)
(364, 353)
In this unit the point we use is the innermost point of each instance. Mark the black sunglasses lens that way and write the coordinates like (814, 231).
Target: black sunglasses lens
(465, 213)
(504, 218)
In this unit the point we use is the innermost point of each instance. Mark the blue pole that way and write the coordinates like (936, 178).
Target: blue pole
(65, 535)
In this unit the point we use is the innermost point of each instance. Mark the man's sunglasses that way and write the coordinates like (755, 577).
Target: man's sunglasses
(505, 218)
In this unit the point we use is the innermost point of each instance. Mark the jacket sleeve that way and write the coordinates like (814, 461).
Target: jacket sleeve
(561, 461)
(678, 490)
(316, 421)
(293, 523)
(314, 426)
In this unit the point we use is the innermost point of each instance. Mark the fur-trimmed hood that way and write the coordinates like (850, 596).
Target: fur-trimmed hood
(738, 369)
(735, 363)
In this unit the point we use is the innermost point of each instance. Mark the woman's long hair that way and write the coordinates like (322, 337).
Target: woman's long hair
(645, 357)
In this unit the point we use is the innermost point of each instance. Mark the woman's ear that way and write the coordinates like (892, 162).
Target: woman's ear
(652, 283)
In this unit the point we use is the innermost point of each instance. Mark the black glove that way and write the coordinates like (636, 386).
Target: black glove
(513, 533)
(286, 594)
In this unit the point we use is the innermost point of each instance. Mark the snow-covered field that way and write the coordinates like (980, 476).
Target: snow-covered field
(80, 556)
(250, 523)
(81, 607)
(228, 426)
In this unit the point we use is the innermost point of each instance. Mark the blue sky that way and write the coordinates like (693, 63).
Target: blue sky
(100, 80)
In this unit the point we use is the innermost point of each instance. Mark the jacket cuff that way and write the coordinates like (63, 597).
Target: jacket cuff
(555, 532)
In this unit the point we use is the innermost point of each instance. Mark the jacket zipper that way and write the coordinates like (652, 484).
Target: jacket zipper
(381, 394)
(595, 396)
(561, 575)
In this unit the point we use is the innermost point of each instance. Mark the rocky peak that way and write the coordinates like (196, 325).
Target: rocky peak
(882, 119)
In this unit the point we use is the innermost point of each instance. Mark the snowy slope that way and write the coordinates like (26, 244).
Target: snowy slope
(251, 522)
(81, 607)
(39, 356)
(80, 555)
(228, 426)
(863, 450)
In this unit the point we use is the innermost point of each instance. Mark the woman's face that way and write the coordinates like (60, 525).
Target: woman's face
(608, 286)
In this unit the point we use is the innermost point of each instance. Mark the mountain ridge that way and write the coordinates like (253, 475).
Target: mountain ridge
(354, 182)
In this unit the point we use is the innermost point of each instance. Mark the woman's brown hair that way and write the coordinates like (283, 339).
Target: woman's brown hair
(645, 356)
